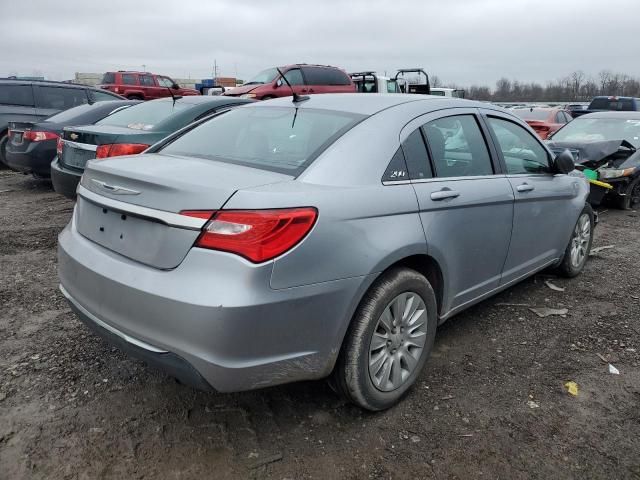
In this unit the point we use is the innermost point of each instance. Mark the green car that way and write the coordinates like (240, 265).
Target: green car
(128, 132)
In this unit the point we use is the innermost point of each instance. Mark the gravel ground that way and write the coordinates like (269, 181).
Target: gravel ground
(490, 404)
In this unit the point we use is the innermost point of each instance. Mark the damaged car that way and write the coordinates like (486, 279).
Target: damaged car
(605, 148)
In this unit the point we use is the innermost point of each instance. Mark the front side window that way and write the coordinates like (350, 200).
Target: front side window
(521, 151)
(280, 139)
(294, 76)
(129, 79)
(60, 98)
(458, 148)
(165, 82)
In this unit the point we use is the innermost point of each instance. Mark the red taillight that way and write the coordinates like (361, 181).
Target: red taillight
(258, 235)
(35, 136)
(119, 149)
(59, 146)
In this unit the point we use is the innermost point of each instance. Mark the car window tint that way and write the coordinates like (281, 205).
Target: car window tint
(294, 76)
(108, 77)
(325, 76)
(146, 80)
(98, 96)
(60, 98)
(16, 95)
(416, 156)
(457, 147)
(522, 152)
(129, 79)
(397, 168)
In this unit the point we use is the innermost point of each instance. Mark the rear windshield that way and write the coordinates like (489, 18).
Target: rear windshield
(108, 77)
(280, 139)
(16, 95)
(528, 114)
(623, 104)
(86, 112)
(144, 116)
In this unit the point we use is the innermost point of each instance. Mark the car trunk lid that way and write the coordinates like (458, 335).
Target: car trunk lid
(131, 205)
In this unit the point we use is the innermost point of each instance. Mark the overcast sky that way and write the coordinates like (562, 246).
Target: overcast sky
(462, 41)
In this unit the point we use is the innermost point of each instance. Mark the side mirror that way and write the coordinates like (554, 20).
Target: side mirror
(278, 83)
(175, 86)
(563, 163)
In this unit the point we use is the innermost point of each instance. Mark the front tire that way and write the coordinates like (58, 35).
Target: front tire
(389, 340)
(631, 197)
(577, 252)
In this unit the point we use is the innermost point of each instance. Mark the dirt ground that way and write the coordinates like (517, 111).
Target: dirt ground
(490, 404)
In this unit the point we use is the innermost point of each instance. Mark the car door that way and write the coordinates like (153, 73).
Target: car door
(148, 86)
(465, 202)
(543, 215)
(53, 99)
(295, 79)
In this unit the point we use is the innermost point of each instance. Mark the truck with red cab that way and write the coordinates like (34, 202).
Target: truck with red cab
(143, 85)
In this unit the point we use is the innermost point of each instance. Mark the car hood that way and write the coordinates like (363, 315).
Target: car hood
(597, 154)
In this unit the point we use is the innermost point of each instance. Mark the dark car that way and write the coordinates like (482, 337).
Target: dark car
(303, 79)
(128, 132)
(32, 146)
(143, 85)
(33, 100)
(606, 146)
(610, 104)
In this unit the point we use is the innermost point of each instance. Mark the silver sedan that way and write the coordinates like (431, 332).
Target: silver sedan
(326, 236)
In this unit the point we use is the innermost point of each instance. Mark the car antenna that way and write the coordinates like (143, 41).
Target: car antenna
(173, 96)
(296, 98)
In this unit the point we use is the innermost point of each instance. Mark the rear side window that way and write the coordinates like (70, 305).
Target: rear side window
(280, 139)
(521, 151)
(397, 169)
(325, 76)
(60, 98)
(458, 148)
(16, 95)
(416, 156)
(108, 77)
(129, 79)
(146, 80)
(621, 104)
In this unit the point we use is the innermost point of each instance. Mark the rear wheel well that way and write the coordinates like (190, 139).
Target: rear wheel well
(427, 266)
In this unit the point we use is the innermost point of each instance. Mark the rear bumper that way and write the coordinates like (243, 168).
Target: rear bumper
(64, 181)
(214, 316)
(34, 160)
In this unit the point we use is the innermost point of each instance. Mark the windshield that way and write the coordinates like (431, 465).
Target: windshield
(281, 139)
(265, 76)
(528, 114)
(144, 116)
(600, 130)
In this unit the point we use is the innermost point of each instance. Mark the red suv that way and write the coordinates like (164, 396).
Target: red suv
(143, 85)
(303, 79)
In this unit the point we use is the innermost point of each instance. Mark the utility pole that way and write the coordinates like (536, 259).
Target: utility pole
(144, 67)
(215, 69)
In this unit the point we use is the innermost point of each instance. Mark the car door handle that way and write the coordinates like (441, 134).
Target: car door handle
(444, 194)
(525, 187)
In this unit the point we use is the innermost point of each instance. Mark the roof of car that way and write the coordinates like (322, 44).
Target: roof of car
(17, 81)
(368, 103)
(629, 115)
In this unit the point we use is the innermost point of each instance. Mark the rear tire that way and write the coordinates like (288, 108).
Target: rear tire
(388, 342)
(631, 197)
(4, 138)
(577, 251)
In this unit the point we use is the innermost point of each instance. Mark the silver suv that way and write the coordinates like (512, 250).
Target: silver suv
(329, 236)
